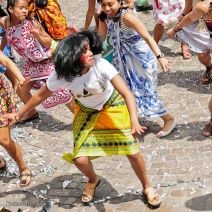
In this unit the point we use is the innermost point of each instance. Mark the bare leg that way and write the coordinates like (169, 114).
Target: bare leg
(205, 59)
(210, 106)
(12, 148)
(86, 167)
(185, 51)
(158, 32)
(138, 164)
(25, 95)
(12, 79)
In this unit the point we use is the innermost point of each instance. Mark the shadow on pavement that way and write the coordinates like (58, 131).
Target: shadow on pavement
(189, 80)
(189, 131)
(47, 123)
(201, 203)
(65, 192)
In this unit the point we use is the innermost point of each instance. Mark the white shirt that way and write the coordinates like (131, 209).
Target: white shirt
(92, 89)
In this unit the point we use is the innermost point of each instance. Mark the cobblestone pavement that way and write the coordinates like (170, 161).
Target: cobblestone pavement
(179, 166)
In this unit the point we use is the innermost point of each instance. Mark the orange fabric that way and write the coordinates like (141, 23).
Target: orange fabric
(52, 17)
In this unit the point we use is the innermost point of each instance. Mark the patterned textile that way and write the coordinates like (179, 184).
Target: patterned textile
(105, 132)
(196, 35)
(51, 17)
(38, 63)
(199, 42)
(7, 100)
(137, 64)
(167, 11)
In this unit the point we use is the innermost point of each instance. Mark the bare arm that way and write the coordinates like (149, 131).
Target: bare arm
(199, 10)
(34, 101)
(122, 88)
(102, 30)
(188, 7)
(11, 68)
(90, 13)
(132, 21)
(40, 34)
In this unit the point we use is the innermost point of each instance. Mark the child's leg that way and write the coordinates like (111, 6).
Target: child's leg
(138, 164)
(25, 95)
(207, 130)
(12, 148)
(14, 151)
(86, 167)
(205, 59)
(158, 32)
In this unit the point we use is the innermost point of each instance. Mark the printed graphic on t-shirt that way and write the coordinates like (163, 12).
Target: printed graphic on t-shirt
(98, 89)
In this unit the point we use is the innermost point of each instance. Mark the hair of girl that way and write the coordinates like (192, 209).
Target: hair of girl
(67, 56)
(95, 41)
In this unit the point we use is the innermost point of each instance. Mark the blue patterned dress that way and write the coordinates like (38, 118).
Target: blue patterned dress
(137, 64)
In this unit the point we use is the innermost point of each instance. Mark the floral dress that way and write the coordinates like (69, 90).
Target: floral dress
(137, 64)
(167, 11)
(38, 62)
(7, 100)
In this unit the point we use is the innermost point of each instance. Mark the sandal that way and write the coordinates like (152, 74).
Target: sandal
(33, 117)
(89, 192)
(207, 130)
(207, 76)
(185, 51)
(25, 178)
(152, 198)
(3, 164)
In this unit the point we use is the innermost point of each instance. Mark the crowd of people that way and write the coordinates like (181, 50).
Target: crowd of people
(71, 70)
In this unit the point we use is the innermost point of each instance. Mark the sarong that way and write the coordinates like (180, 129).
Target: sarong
(101, 133)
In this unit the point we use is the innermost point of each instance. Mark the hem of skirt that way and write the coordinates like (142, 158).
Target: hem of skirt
(153, 115)
(37, 78)
(108, 154)
(94, 156)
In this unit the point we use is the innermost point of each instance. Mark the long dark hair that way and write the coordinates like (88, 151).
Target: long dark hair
(67, 56)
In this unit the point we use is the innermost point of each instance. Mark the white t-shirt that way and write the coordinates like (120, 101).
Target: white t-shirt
(92, 89)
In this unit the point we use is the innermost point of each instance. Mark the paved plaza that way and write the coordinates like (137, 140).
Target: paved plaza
(179, 166)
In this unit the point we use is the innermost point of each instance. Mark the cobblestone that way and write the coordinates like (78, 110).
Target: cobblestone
(179, 165)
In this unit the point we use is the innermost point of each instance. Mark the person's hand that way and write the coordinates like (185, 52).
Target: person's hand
(171, 33)
(165, 64)
(23, 81)
(72, 29)
(35, 30)
(137, 129)
(12, 117)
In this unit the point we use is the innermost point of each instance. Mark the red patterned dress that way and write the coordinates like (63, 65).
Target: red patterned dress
(38, 63)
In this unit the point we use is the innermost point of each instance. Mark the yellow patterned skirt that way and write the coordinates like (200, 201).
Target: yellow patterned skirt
(101, 133)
